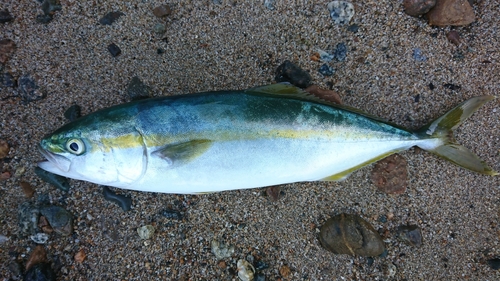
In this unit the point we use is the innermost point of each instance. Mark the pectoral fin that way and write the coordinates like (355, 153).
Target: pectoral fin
(184, 152)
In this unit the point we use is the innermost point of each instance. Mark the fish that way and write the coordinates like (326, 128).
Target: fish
(226, 140)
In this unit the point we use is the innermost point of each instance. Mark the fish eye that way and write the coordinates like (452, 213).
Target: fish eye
(75, 146)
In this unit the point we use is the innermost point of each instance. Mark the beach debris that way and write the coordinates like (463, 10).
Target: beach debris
(327, 95)
(5, 16)
(285, 271)
(350, 234)
(27, 189)
(114, 50)
(410, 234)
(57, 181)
(340, 52)
(326, 70)
(29, 90)
(146, 231)
(40, 272)
(269, 4)
(245, 270)
(417, 8)
(454, 37)
(137, 90)
(221, 250)
(4, 148)
(7, 47)
(110, 18)
(80, 256)
(59, 219)
(39, 255)
(494, 263)
(341, 12)
(73, 112)
(171, 214)
(451, 12)
(122, 201)
(273, 192)
(390, 175)
(290, 72)
(40, 238)
(162, 11)
(417, 55)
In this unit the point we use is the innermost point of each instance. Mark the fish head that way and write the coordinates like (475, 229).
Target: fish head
(100, 154)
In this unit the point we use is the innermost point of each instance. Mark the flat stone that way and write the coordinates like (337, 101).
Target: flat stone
(451, 12)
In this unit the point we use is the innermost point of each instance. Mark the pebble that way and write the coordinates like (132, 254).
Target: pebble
(410, 234)
(494, 263)
(171, 214)
(40, 238)
(260, 265)
(273, 192)
(290, 72)
(27, 189)
(354, 28)
(80, 256)
(3, 238)
(4, 148)
(137, 90)
(114, 50)
(5, 175)
(162, 11)
(73, 112)
(110, 18)
(57, 181)
(27, 217)
(246, 270)
(49, 7)
(59, 219)
(7, 47)
(146, 231)
(417, 8)
(29, 90)
(269, 4)
(417, 55)
(5, 16)
(454, 37)
(285, 271)
(221, 250)
(390, 175)
(44, 225)
(350, 234)
(340, 52)
(324, 56)
(326, 70)
(121, 200)
(159, 28)
(40, 272)
(39, 255)
(451, 12)
(341, 12)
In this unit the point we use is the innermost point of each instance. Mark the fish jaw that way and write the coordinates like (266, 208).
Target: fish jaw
(56, 164)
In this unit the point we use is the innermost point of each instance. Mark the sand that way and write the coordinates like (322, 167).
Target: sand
(237, 45)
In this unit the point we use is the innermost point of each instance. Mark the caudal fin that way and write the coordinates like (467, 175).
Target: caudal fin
(442, 128)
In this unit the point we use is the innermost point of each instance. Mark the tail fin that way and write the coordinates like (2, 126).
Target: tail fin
(442, 128)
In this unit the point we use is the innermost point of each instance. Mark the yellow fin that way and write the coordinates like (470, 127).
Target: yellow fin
(183, 152)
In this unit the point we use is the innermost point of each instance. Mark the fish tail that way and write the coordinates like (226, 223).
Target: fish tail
(445, 145)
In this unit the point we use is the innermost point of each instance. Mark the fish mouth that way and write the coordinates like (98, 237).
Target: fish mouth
(55, 163)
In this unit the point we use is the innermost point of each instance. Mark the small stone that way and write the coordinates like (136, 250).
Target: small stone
(7, 47)
(27, 189)
(80, 256)
(114, 50)
(285, 271)
(326, 70)
(410, 234)
(59, 219)
(390, 175)
(327, 95)
(162, 11)
(340, 52)
(8, 80)
(3, 239)
(222, 264)
(260, 265)
(494, 263)
(40, 272)
(417, 8)
(246, 270)
(451, 12)
(39, 255)
(324, 56)
(221, 250)
(350, 234)
(4, 148)
(146, 232)
(5, 175)
(73, 112)
(44, 225)
(452, 87)
(269, 4)
(121, 200)
(110, 18)
(171, 214)
(273, 192)
(454, 37)
(29, 90)
(389, 269)
(5, 16)
(57, 181)
(49, 7)
(159, 28)
(417, 55)
(354, 28)
(137, 90)
(40, 238)
(289, 72)
(341, 12)
(27, 217)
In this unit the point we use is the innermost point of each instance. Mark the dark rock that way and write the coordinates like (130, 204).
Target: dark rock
(260, 265)
(454, 37)
(289, 72)
(390, 175)
(354, 28)
(28, 215)
(326, 70)
(40, 272)
(114, 50)
(452, 87)
(59, 219)
(7, 47)
(5, 16)
(273, 192)
(49, 7)
(162, 11)
(494, 263)
(137, 90)
(171, 214)
(73, 112)
(159, 28)
(410, 234)
(57, 181)
(417, 8)
(160, 51)
(110, 18)
(44, 18)
(259, 277)
(350, 234)
(8, 80)
(29, 90)
(451, 12)
(121, 200)
(431, 86)
(27, 189)
(39, 255)
(340, 52)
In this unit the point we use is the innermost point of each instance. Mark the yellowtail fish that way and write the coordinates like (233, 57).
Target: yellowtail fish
(227, 140)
